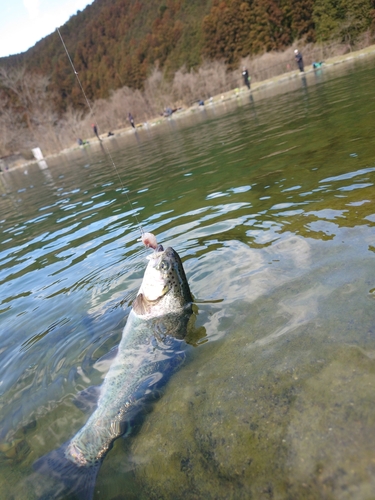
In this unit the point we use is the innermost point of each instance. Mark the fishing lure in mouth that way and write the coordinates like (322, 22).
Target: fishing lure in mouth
(149, 241)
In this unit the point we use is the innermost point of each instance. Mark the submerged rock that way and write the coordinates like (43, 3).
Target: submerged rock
(292, 419)
(16, 450)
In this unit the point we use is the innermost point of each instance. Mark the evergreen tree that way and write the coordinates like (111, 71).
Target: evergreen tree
(343, 19)
(301, 20)
(226, 31)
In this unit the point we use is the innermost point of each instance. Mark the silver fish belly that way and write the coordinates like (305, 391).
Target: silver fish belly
(139, 365)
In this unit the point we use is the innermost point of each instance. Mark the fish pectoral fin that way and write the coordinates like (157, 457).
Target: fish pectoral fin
(141, 305)
(87, 400)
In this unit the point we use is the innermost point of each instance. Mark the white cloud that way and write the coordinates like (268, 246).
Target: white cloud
(33, 8)
(28, 21)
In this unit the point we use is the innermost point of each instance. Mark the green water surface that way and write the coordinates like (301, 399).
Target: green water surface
(269, 200)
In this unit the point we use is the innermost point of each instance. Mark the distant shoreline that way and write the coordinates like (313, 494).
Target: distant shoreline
(218, 99)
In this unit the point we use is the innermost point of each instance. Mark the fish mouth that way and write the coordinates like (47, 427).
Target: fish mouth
(155, 267)
(157, 253)
(165, 274)
(162, 261)
(155, 281)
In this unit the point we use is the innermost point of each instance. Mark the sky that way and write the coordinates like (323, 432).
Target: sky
(24, 22)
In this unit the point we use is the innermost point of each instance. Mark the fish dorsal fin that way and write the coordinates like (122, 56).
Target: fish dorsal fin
(141, 305)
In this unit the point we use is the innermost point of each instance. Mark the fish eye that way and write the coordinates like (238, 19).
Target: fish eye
(164, 266)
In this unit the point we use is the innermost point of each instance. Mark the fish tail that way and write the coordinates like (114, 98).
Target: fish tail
(77, 480)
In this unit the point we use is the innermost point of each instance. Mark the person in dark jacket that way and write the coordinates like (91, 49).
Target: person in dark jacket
(299, 59)
(246, 78)
(131, 120)
(95, 129)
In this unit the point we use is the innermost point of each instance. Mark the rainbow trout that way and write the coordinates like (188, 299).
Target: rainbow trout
(151, 348)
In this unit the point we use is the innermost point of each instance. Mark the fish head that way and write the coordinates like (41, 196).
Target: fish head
(164, 288)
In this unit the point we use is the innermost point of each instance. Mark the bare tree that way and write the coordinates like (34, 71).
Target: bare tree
(9, 131)
(31, 108)
(157, 92)
(27, 90)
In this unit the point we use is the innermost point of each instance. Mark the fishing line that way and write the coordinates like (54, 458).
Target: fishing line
(106, 150)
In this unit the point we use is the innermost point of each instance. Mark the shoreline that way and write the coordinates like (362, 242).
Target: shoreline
(217, 99)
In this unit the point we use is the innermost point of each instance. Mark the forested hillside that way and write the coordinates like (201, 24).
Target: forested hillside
(144, 55)
(116, 43)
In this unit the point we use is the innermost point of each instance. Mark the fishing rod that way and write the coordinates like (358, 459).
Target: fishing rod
(148, 239)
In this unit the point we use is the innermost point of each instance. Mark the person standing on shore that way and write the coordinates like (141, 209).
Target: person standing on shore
(246, 78)
(299, 59)
(131, 120)
(95, 129)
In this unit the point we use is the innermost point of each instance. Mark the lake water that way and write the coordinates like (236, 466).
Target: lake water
(269, 200)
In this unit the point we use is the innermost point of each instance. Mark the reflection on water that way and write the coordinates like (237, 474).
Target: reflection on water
(268, 200)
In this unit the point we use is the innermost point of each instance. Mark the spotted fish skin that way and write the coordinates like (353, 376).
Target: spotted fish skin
(152, 346)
